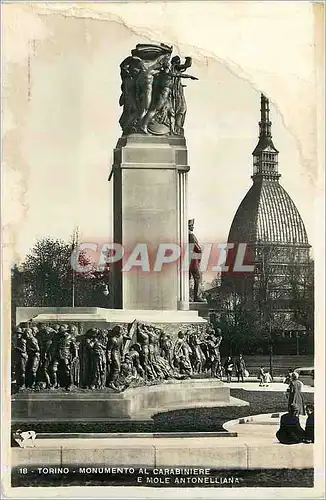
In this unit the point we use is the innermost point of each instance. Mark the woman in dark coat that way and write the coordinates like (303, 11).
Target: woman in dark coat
(310, 425)
(290, 431)
(295, 394)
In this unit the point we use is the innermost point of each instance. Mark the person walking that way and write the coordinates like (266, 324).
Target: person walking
(240, 368)
(228, 367)
(295, 393)
(261, 377)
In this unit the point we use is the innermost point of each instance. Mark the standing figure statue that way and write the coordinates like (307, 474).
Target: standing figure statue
(145, 84)
(130, 69)
(162, 102)
(194, 262)
(179, 106)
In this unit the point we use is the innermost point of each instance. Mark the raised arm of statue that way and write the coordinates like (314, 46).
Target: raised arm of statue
(188, 76)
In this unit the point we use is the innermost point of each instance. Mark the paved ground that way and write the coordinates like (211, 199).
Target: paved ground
(263, 401)
(275, 386)
(202, 419)
(257, 435)
(258, 427)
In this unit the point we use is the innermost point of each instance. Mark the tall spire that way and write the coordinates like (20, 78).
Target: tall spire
(265, 125)
(265, 154)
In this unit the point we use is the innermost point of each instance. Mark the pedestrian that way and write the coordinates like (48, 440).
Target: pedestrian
(267, 379)
(290, 431)
(310, 424)
(240, 368)
(261, 377)
(228, 367)
(287, 378)
(295, 393)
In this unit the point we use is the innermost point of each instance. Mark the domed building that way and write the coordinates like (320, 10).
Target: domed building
(277, 247)
(267, 214)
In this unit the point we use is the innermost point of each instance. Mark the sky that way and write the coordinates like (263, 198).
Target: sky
(63, 125)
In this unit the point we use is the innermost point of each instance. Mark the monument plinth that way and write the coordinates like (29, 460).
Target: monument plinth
(138, 403)
(150, 209)
(111, 358)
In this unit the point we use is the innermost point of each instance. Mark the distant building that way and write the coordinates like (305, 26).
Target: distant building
(269, 222)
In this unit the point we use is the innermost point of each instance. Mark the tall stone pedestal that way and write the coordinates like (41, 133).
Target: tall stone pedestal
(150, 208)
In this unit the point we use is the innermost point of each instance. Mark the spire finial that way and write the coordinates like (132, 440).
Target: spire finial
(264, 108)
(265, 125)
(265, 153)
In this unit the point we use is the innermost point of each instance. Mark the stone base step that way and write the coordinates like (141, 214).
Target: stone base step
(116, 435)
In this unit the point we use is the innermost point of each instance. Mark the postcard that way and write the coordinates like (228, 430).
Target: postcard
(163, 249)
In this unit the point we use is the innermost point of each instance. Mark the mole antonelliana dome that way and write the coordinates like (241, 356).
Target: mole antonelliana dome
(267, 214)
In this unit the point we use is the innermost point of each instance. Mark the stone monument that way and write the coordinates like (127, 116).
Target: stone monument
(150, 178)
(151, 338)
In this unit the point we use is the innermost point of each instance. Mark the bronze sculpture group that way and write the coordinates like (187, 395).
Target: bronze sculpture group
(58, 356)
(152, 92)
(53, 357)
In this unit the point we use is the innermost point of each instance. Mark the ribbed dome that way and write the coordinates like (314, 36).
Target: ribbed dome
(267, 214)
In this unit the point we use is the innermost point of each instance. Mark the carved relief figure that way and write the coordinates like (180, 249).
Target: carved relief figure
(197, 356)
(114, 353)
(182, 353)
(143, 339)
(20, 358)
(45, 340)
(64, 352)
(143, 354)
(33, 357)
(98, 361)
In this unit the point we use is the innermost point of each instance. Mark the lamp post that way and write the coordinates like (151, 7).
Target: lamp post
(270, 347)
(297, 342)
(73, 289)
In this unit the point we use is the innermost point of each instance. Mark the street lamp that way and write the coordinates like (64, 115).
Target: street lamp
(270, 348)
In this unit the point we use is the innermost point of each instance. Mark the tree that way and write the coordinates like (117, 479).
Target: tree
(47, 274)
(302, 285)
(262, 311)
(46, 279)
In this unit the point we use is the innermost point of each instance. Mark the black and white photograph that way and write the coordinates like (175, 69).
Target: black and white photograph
(163, 249)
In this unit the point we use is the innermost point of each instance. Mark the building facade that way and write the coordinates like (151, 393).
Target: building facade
(268, 221)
